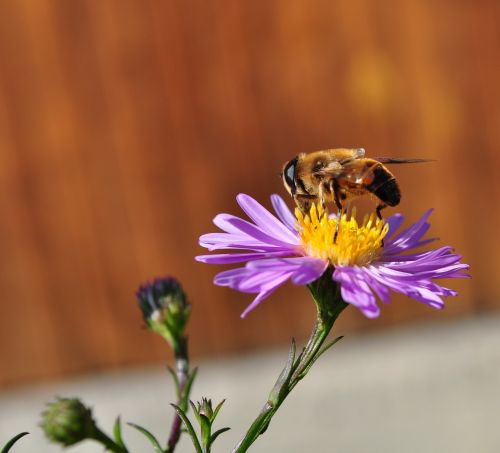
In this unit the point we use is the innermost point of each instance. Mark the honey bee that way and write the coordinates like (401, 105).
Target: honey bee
(338, 175)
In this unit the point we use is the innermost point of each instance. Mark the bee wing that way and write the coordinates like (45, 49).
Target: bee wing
(332, 169)
(397, 160)
(355, 153)
(344, 154)
(359, 153)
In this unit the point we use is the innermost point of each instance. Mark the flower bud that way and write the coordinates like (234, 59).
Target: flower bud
(67, 421)
(164, 307)
(205, 415)
(205, 408)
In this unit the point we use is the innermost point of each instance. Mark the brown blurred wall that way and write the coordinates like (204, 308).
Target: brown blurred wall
(125, 126)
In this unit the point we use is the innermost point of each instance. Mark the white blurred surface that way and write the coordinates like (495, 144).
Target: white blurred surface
(433, 388)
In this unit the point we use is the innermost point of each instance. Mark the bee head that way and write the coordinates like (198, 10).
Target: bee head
(288, 175)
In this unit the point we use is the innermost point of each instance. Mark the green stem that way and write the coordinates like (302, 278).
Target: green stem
(329, 305)
(109, 444)
(182, 370)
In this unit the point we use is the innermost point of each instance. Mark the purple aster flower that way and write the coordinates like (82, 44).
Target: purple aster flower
(368, 259)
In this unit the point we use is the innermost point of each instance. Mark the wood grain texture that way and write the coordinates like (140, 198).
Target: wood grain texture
(126, 125)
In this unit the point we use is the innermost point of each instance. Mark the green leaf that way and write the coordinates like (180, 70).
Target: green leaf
(280, 388)
(12, 441)
(218, 433)
(151, 438)
(187, 389)
(206, 427)
(117, 431)
(189, 428)
(176, 382)
(329, 345)
(318, 355)
(195, 411)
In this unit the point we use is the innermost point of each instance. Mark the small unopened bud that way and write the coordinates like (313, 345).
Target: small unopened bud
(205, 408)
(205, 415)
(164, 307)
(67, 421)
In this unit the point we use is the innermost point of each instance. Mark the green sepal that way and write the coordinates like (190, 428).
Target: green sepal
(117, 432)
(326, 294)
(12, 441)
(150, 437)
(189, 427)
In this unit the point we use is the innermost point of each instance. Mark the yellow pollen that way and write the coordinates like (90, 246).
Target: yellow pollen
(355, 245)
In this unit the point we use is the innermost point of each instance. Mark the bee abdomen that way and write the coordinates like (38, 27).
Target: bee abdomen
(385, 187)
(389, 192)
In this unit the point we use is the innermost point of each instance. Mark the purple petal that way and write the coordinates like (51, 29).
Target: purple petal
(408, 238)
(231, 277)
(255, 281)
(284, 214)
(310, 270)
(355, 291)
(380, 290)
(257, 233)
(404, 284)
(216, 241)
(394, 222)
(246, 279)
(221, 220)
(439, 263)
(304, 269)
(231, 258)
(433, 270)
(265, 220)
(439, 290)
(226, 238)
(408, 257)
(426, 296)
(265, 275)
(270, 288)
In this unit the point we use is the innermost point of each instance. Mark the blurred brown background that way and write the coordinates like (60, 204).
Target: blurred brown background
(125, 126)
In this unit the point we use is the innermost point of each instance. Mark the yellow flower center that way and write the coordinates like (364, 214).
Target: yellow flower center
(355, 245)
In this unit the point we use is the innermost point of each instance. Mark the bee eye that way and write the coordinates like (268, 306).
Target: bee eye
(289, 175)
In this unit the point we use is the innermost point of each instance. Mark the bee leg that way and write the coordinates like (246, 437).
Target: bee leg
(379, 215)
(321, 192)
(336, 197)
(378, 209)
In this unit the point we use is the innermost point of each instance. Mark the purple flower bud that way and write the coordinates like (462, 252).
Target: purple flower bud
(164, 307)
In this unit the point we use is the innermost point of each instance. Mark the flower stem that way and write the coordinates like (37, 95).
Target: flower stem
(108, 443)
(329, 305)
(182, 371)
